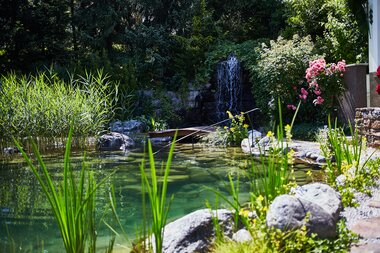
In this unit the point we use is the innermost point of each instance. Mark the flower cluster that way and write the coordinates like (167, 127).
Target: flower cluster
(323, 80)
(238, 130)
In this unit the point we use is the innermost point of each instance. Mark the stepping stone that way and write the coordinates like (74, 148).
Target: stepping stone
(368, 228)
(374, 203)
(366, 248)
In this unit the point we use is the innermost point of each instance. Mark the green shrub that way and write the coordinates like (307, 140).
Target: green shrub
(43, 105)
(279, 72)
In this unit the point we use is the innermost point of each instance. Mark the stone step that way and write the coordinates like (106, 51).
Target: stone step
(366, 248)
(367, 228)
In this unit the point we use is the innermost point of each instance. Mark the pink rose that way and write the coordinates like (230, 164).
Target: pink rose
(318, 101)
(304, 94)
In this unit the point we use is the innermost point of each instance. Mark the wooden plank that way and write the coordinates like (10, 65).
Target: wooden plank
(196, 131)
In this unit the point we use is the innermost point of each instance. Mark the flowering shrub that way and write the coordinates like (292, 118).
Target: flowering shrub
(324, 82)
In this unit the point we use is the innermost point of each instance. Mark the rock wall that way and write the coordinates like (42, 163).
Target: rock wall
(367, 121)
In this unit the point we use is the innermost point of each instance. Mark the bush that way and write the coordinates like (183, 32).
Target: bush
(279, 71)
(43, 105)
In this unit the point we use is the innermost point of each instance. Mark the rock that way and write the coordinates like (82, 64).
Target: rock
(193, 232)
(367, 228)
(264, 141)
(245, 146)
(340, 180)
(114, 141)
(254, 136)
(242, 236)
(320, 200)
(313, 156)
(320, 159)
(285, 212)
(323, 195)
(126, 126)
(11, 150)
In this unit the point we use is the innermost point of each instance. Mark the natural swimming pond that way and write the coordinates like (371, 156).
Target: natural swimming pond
(26, 215)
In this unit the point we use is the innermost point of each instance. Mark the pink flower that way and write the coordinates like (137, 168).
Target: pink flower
(317, 92)
(341, 65)
(291, 107)
(318, 101)
(378, 88)
(378, 72)
(304, 94)
(313, 84)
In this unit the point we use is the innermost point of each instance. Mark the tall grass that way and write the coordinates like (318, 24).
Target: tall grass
(159, 207)
(72, 202)
(269, 178)
(341, 152)
(43, 105)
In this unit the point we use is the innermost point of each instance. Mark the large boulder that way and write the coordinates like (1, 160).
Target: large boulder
(323, 195)
(114, 141)
(194, 232)
(316, 205)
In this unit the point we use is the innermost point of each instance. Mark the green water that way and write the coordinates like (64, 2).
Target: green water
(27, 216)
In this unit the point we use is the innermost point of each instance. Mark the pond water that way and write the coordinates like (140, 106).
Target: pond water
(25, 215)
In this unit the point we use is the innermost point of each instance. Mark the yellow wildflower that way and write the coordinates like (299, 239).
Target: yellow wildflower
(245, 125)
(270, 134)
(225, 127)
(243, 212)
(230, 115)
(232, 129)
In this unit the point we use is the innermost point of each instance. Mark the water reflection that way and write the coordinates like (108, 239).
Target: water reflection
(26, 213)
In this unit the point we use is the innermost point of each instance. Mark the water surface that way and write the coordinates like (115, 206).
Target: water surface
(26, 214)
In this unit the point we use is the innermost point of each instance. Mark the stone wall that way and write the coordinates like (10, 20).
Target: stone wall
(367, 122)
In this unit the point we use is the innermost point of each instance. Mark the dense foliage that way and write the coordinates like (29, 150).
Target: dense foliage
(167, 45)
(44, 105)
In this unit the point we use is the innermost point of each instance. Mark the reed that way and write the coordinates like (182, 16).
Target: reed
(275, 166)
(159, 207)
(72, 202)
(43, 105)
(342, 152)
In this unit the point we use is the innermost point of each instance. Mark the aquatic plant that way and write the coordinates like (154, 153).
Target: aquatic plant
(275, 164)
(72, 202)
(159, 207)
(43, 105)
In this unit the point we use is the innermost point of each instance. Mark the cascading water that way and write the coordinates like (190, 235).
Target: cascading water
(229, 93)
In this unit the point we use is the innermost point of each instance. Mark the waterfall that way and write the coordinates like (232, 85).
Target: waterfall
(229, 90)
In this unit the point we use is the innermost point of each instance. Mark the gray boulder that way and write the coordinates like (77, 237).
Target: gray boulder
(127, 126)
(323, 195)
(242, 235)
(114, 141)
(254, 136)
(319, 200)
(194, 232)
